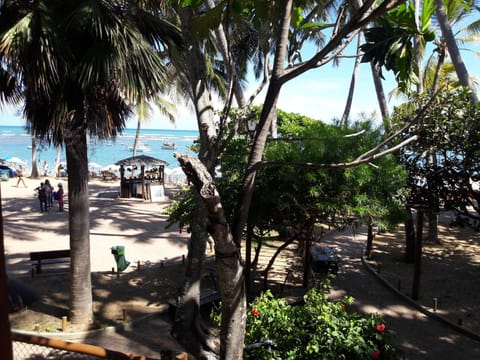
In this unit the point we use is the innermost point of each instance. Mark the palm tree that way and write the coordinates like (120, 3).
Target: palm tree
(144, 112)
(79, 63)
(447, 33)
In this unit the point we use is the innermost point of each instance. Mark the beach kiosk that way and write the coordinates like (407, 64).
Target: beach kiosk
(142, 177)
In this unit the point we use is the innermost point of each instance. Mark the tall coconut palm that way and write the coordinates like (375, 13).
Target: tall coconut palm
(144, 110)
(444, 21)
(78, 63)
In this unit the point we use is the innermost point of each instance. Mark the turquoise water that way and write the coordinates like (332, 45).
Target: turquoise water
(15, 142)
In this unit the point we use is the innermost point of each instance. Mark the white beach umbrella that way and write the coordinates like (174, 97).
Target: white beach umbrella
(94, 166)
(15, 160)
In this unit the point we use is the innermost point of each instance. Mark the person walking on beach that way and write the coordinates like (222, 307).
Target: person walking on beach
(45, 168)
(49, 188)
(60, 195)
(19, 173)
(42, 197)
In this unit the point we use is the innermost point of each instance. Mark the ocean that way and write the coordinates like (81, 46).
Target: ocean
(16, 142)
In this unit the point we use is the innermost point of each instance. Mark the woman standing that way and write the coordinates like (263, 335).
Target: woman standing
(49, 189)
(60, 195)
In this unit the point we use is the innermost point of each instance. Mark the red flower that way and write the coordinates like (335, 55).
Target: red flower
(376, 354)
(381, 328)
(255, 312)
(342, 306)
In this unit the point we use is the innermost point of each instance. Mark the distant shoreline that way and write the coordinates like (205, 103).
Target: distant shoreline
(126, 129)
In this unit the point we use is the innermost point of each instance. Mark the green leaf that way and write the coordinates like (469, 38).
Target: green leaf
(207, 21)
(297, 16)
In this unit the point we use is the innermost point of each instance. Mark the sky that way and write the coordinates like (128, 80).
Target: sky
(319, 94)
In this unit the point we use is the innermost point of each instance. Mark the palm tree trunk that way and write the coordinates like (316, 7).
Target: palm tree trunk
(79, 225)
(418, 54)
(57, 160)
(382, 102)
(137, 136)
(441, 60)
(453, 50)
(353, 81)
(34, 174)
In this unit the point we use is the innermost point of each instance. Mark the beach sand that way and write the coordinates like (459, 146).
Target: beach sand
(137, 292)
(137, 225)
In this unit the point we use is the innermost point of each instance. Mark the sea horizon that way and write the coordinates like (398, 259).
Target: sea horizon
(16, 142)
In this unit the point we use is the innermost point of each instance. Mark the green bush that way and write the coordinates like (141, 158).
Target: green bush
(320, 329)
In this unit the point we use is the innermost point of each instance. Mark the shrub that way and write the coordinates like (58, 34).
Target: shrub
(319, 329)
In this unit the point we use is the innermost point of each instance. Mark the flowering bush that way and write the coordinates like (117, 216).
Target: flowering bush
(320, 329)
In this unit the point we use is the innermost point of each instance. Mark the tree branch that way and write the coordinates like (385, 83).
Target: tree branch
(413, 121)
(319, 138)
(354, 25)
(344, 165)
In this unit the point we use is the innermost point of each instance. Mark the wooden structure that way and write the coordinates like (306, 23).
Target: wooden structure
(147, 181)
(34, 346)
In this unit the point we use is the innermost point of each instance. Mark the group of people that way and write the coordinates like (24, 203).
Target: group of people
(47, 194)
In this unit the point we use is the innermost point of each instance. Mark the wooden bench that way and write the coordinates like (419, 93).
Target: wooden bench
(57, 256)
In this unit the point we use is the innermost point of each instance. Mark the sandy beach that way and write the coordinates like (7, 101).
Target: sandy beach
(137, 225)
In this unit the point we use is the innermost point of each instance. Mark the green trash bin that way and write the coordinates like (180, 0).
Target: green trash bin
(4, 175)
(119, 255)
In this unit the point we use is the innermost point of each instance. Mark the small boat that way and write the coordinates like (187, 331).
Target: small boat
(169, 146)
(141, 148)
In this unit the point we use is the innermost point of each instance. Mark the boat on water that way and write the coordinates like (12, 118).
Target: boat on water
(169, 146)
(141, 148)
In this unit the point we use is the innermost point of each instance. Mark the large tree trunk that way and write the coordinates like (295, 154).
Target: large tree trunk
(453, 50)
(193, 67)
(188, 328)
(248, 259)
(229, 267)
(79, 225)
(432, 232)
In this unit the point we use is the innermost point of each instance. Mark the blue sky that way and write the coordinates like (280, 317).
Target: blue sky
(319, 94)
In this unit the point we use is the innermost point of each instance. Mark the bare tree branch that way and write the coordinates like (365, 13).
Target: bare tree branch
(344, 165)
(406, 126)
(319, 138)
(354, 25)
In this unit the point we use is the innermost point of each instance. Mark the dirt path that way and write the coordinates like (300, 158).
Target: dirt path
(417, 335)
